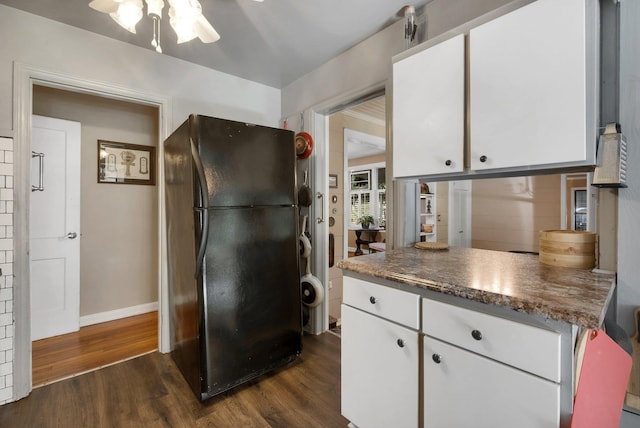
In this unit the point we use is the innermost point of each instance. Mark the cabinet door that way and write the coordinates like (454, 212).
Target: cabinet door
(379, 373)
(428, 111)
(533, 87)
(464, 389)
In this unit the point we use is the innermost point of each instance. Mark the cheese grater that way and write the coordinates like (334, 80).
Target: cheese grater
(611, 168)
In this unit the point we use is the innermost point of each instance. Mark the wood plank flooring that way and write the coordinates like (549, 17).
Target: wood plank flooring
(92, 347)
(149, 391)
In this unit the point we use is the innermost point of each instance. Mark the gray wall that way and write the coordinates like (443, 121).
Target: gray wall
(369, 63)
(118, 222)
(57, 47)
(629, 198)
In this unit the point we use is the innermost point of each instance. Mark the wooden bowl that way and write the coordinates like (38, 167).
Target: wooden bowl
(567, 248)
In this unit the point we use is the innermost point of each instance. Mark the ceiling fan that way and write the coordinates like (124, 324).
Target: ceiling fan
(185, 17)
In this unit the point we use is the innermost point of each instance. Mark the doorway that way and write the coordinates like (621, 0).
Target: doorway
(25, 78)
(459, 213)
(117, 230)
(357, 160)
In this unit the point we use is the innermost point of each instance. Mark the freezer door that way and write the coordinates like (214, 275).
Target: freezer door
(245, 164)
(252, 308)
(181, 252)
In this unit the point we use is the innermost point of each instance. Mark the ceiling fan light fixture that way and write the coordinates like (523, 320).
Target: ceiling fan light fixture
(186, 19)
(182, 25)
(154, 10)
(128, 14)
(154, 7)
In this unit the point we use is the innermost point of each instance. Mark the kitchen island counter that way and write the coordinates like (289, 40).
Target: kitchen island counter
(511, 280)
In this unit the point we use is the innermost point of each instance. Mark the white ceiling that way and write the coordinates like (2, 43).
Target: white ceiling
(359, 144)
(274, 42)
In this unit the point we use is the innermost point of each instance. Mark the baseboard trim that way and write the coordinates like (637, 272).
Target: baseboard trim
(117, 314)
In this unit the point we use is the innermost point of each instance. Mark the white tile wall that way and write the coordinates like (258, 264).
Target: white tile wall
(6, 264)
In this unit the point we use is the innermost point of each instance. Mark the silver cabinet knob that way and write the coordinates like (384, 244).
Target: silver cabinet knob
(72, 235)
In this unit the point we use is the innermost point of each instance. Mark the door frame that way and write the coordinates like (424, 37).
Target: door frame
(317, 118)
(453, 210)
(24, 77)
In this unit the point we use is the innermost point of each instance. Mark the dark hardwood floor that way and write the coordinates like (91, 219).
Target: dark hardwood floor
(149, 391)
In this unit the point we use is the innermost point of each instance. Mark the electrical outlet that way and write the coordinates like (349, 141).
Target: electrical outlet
(330, 284)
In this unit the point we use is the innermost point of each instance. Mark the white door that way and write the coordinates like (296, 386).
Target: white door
(460, 213)
(54, 227)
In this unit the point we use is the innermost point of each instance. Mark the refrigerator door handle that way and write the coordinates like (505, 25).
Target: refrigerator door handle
(204, 194)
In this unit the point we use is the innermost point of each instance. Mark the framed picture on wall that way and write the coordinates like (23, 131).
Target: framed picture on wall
(123, 163)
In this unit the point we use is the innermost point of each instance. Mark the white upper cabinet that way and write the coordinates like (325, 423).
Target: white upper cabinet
(428, 110)
(532, 86)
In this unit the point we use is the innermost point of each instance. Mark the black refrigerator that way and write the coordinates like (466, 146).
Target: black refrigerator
(232, 249)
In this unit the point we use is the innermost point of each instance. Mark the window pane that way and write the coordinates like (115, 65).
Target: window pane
(382, 207)
(355, 207)
(580, 214)
(361, 180)
(382, 183)
(365, 204)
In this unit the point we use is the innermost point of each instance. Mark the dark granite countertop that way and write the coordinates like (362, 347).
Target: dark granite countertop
(516, 281)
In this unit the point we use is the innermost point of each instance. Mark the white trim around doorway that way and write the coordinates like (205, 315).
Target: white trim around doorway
(24, 77)
(318, 124)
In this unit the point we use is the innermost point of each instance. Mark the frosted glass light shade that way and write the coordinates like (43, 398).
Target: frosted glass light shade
(129, 13)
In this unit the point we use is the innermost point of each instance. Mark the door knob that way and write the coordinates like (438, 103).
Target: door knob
(72, 235)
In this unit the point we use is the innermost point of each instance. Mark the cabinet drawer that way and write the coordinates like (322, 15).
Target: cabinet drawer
(395, 305)
(529, 348)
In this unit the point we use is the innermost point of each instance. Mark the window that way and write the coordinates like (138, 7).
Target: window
(368, 195)
(580, 209)
(361, 180)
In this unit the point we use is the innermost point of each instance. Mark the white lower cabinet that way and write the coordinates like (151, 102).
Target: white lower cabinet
(380, 371)
(409, 361)
(464, 389)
